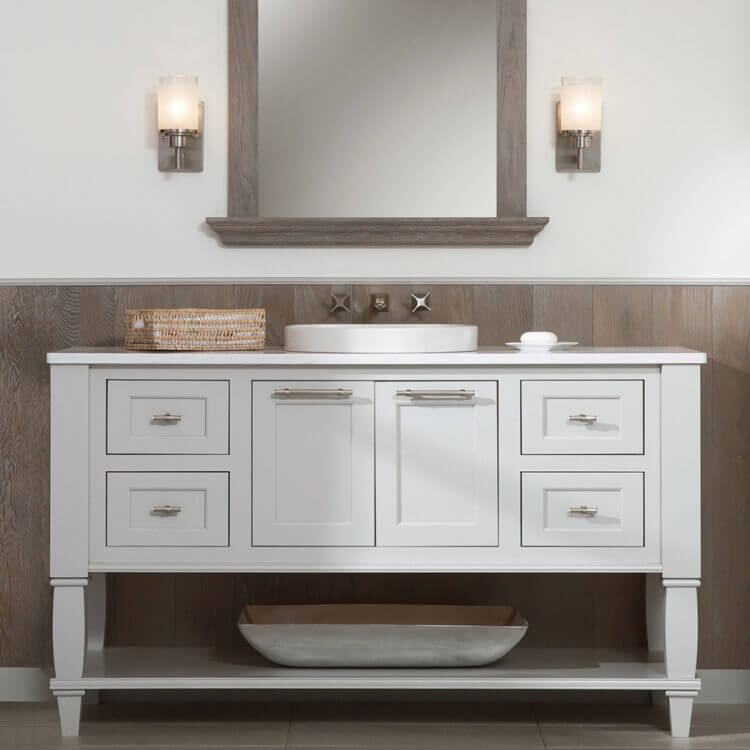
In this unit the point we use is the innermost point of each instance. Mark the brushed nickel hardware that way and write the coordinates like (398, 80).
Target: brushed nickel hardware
(379, 302)
(420, 302)
(582, 418)
(312, 393)
(340, 302)
(166, 510)
(166, 418)
(461, 394)
(583, 510)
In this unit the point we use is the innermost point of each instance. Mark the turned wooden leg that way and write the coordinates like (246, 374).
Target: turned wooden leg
(69, 647)
(681, 648)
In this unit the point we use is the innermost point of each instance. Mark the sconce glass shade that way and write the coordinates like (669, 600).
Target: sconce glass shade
(178, 103)
(581, 104)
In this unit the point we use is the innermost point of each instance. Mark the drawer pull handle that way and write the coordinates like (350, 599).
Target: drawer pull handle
(583, 510)
(312, 393)
(461, 394)
(166, 418)
(166, 510)
(582, 418)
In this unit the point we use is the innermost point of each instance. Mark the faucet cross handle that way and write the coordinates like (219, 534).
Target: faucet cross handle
(420, 302)
(340, 302)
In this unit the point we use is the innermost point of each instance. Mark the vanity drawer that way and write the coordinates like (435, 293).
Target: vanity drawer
(167, 509)
(167, 416)
(582, 417)
(582, 509)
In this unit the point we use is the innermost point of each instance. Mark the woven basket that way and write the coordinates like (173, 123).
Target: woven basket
(195, 330)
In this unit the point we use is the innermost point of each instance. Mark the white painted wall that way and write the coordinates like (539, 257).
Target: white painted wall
(80, 195)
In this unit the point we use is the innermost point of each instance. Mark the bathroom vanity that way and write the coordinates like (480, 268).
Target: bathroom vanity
(585, 460)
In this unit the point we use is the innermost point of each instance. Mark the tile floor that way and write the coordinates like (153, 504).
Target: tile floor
(355, 725)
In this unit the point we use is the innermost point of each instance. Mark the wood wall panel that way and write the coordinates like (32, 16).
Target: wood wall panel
(566, 310)
(502, 313)
(726, 552)
(565, 610)
(31, 321)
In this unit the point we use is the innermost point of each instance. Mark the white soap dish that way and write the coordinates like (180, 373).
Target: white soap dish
(539, 348)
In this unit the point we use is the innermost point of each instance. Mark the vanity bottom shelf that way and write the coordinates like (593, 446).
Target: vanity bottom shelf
(524, 668)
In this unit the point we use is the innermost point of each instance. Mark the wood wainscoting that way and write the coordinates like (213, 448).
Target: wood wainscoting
(571, 610)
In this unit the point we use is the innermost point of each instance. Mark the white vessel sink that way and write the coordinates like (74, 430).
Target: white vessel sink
(366, 338)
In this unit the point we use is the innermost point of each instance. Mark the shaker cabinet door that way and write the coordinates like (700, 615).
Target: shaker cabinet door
(313, 455)
(436, 464)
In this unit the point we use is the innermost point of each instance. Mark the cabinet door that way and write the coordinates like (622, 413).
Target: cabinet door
(436, 464)
(313, 456)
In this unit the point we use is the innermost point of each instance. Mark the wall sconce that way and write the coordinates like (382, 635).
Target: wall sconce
(579, 125)
(180, 115)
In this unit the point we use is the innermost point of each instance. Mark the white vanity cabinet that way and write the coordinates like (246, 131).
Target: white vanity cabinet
(490, 461)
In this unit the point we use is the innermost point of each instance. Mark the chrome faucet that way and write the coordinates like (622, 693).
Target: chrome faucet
(379, 302)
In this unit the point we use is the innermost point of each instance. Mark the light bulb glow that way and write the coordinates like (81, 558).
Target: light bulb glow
(581, 104)
(178, 103)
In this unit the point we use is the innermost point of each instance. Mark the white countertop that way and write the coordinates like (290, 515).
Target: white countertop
(273, 356)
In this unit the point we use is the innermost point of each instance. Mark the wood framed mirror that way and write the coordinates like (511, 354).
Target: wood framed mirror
(361, 116)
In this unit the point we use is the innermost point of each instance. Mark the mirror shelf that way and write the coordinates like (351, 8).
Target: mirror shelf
(500, 94)
(386, 232)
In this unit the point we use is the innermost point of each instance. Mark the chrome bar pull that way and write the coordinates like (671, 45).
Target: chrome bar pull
(313, 393)
(583, 510)
(166, 418)
(461, 394)
(582, 418)
(166, 510)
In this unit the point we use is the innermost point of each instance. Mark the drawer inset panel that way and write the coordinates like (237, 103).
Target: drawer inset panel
(582, 509)
(167, 416)
(167, 509)
(582, 416)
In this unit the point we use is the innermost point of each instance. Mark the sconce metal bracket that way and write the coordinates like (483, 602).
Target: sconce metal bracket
(192, 152)
(566, 153)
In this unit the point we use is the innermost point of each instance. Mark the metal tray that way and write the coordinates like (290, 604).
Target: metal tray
(382, 635)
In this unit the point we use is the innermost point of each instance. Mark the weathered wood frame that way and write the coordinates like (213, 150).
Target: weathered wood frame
(243, 226)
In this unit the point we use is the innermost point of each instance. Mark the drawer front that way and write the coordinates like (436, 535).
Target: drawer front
(436, 464)
(582, 416)
(167, 509)
(313, 456)
(167, 416)
(596, 509)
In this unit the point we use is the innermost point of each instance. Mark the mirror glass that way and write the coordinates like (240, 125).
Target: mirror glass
(377, 108)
